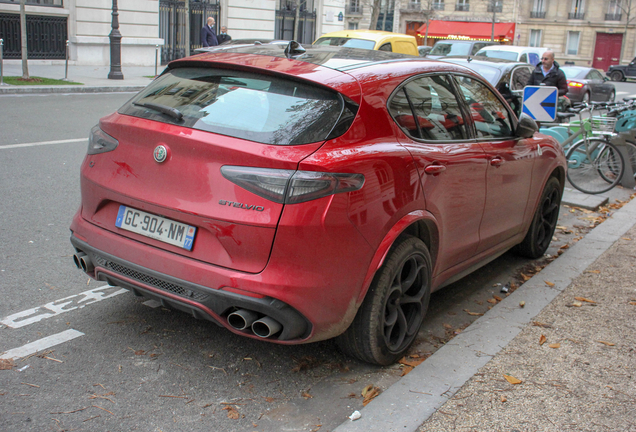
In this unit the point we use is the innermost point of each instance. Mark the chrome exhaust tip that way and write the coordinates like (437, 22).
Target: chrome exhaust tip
(266, 327)
(241, 319)
(76, 259)
(86, 263)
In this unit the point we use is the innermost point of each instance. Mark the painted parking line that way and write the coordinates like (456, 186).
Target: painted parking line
(57, 307)
(41, 344)
(42, 143)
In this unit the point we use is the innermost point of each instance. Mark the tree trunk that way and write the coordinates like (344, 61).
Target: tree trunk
(23, 34)
(297, 21)
(373, 25)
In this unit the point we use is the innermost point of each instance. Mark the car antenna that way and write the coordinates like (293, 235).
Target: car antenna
(469, 59)
(294, 49)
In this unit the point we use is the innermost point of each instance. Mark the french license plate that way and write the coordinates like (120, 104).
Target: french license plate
(156, 227)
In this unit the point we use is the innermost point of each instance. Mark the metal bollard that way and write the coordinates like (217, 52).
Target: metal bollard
(66, 69)
(156, 61)
(1, 67)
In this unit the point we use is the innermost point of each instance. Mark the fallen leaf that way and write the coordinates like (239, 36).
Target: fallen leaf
(492, 301)
(633, 302)
(412, 363)
(366, 390)
(575, 304)
(306, 395)
(522, 304)
(550, 284)
(607, 343)
(540, 324)
(448, 326)
(269, 399)
(496, 297)
(6, 364)
(512, 380)
(593, 271)
(232, 413)
(626, 238)
(542, 340)
(503, 399)
(555, 345)
(565, 246)
(525, 277)
(370, 395)
(583, 299)
(473, 313)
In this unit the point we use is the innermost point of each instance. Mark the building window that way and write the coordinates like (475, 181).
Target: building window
(614, 11)
(462, 5)
(535, 38)
(538, 9)
(573, 42)
(438, 5)
(577, 11)
(354, 7)
(352, 26)
(497, 5)
(414, 5)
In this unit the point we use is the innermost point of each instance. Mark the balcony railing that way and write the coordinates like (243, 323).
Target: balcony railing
(461, 7)
(576, 15)
(613, 17)
(537, 14)
(414, 6)
(56, 3)
(498, 8)
(354, 10)
(438, 6)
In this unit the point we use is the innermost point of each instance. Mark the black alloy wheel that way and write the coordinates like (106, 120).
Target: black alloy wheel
(543, 224)
(392, 313)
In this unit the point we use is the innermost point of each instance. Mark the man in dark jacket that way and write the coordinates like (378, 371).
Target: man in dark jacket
(548, 73)
(223, 36)
(208, 35)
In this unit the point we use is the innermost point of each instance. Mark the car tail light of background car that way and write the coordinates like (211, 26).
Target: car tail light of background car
(575, 84)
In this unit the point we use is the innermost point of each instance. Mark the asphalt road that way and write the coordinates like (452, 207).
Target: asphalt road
(107, 360)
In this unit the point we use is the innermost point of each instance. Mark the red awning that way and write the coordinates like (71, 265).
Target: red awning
(468, 30)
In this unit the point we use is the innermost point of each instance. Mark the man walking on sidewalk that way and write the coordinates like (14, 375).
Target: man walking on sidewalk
(208, 35)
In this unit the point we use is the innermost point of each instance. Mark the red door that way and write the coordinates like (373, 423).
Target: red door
(607, 51)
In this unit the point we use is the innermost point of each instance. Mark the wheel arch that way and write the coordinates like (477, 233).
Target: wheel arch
(420, 224)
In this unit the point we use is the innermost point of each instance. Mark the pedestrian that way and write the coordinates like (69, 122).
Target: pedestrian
(223, 36)
(549, 73)
(208, 35)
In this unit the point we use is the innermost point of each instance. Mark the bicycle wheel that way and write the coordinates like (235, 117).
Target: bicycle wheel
(594, 166)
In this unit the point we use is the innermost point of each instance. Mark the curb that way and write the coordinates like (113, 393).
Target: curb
(69, 89)
(414, 398)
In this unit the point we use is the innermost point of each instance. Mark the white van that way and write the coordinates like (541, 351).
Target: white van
(524, 54)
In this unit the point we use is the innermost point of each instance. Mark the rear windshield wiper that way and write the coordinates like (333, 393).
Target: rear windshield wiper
(172, 112)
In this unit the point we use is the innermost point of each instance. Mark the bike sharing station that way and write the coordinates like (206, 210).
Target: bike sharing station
(540, 103)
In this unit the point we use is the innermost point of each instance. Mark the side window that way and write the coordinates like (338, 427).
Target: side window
(488, 113)
(534, 59)
(427, 108)
(520, 77)
(594, 74)
(386, 47)
(477, 47)
(523, 58)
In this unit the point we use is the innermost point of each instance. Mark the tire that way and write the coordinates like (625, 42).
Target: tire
(586, 98)
(544, 222)
(612, 97)
(393, 310)
(617, 76)
(594, 166)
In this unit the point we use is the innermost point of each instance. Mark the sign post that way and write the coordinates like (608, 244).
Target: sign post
(540, 102)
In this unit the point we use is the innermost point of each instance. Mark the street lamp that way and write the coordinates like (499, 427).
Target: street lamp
(115, 46)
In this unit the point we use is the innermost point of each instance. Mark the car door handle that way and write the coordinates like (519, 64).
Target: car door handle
(496, 161)
(434, 169)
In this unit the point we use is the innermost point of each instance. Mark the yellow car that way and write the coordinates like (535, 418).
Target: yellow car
(371, 39)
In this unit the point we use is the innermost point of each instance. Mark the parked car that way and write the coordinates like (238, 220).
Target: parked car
(423, 50)
(508, 77)
(371, 40)
(622, 72)
(588, 84)
(233, 43)
(524, 54)
(309, 193)
(444, 48)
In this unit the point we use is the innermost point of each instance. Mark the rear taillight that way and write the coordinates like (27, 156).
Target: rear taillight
(291, 187)
(100, 142)
(575, 84)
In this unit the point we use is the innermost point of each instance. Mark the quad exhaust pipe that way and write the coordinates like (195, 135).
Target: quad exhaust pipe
(83, 262)
(243, 319)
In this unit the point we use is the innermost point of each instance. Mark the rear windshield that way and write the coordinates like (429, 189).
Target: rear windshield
(450, 49)
(346, 42)
(254, 107)
(505, 55)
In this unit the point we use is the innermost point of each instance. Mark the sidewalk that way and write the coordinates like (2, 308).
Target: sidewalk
(499, 374)
(94, 78)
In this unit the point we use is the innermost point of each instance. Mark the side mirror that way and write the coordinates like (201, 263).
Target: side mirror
(606, 79)
(526, 126)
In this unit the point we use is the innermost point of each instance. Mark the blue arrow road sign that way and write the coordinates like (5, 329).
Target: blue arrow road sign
(540, 102)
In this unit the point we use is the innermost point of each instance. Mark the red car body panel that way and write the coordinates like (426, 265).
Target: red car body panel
(320, 256)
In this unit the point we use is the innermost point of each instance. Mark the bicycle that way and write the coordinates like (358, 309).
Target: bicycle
(595, 165)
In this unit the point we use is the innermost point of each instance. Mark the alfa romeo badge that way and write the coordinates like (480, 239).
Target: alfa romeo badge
(160, 153)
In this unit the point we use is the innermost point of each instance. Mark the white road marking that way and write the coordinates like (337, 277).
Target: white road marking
(41, 143)
(41, 344)
(61, 306)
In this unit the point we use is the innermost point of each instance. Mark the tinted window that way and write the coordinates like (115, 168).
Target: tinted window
(346, 42)
(449, 49)
(595, 75)
(254, 107)
(427, 108)
(520, 77)
(488, 113)
(523, 58)
(386, 47)
(506, 55)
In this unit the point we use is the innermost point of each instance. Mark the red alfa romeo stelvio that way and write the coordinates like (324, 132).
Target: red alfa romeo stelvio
(299, 194)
